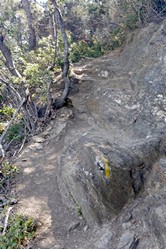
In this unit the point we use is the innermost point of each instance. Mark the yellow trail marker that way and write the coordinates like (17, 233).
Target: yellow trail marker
(107, 169)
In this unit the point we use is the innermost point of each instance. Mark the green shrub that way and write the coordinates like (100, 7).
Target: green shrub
(164, 24)
(2, 128)
(131, 21)
(7, 112)
(15, 132)
(84, 49)
(8, 170)
(19, 231)
(118, 36)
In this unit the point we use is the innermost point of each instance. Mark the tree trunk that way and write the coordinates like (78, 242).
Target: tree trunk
(65, 69)
(54, 34)
(8, 58)
(29, 17)
(52, 25)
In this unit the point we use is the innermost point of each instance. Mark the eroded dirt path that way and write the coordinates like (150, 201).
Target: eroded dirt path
(59, 226)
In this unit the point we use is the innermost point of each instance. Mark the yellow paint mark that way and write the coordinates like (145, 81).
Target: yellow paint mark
(107, 169)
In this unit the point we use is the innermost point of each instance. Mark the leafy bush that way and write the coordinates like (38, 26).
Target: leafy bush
(131, 21)
(84, 49)
(7, 112)
(7, 171)
(20, 230)
(2, 128)
(15, 132)
(118, 37)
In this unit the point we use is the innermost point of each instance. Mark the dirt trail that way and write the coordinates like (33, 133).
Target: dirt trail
(39, 196)
(60, 227)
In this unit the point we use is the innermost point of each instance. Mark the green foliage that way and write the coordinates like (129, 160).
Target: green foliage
(141, 12)
(15, 132)
(83, 49)
(118, 37)
(8, 170)
(164, 24)
(7, 112)
(79, 210)
(20, 230)
(2, 128)
(131, 20)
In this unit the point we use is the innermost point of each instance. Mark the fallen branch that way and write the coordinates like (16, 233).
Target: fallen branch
(22, 145)
(12, 90)
(2, 153)
(6, 220)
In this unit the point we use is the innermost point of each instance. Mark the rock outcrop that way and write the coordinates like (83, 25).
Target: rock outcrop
(122, 106)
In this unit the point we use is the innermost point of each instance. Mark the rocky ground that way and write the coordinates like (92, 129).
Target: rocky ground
(95, 177)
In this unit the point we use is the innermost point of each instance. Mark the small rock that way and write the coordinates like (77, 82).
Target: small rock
(38, 139)
(126, 240)
(104, 74)
(60, 128)
(104, 240)
(47, 131)
(13, 201)
(24, 159)
(127, 217)
(126, 225)
(73, 226)
(38, 146)
(85, 228)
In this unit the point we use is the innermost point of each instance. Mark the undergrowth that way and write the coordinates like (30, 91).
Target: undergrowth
(19, 232)
(15, 230)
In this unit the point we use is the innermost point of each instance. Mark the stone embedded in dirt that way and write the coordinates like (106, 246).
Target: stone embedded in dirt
(103, 239)
(85, 228)
(47, 131)
(73, 226)
(35, 146)
(38, 146)
(103, 74)
(38, 139)
(13, 201)
(126, 225)
(126, 240)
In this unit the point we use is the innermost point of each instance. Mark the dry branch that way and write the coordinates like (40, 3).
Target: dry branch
(12, 90)
(6, 221)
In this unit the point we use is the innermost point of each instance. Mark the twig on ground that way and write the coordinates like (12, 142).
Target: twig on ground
(6, 221)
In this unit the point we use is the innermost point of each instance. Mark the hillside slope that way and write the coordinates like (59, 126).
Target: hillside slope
(95, 178)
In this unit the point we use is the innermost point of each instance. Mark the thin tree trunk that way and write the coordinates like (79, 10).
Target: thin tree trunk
(8, 58)
(29, 17)
(66, 66)
(52, 25)
(54, 34)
